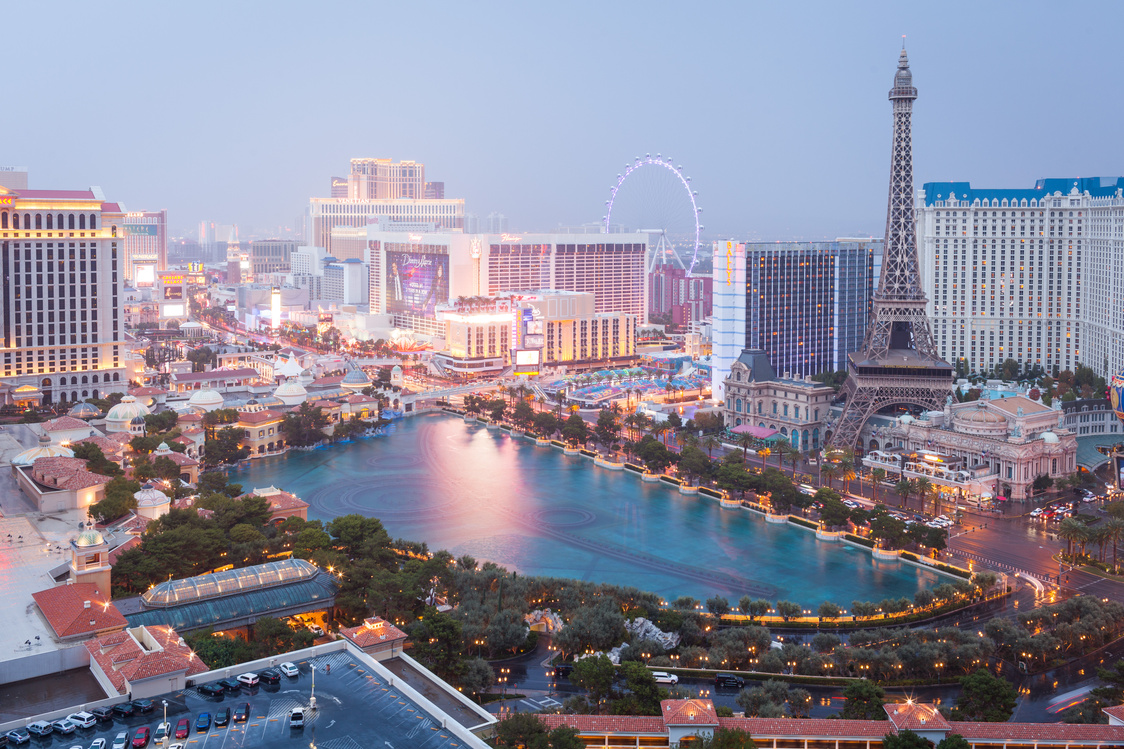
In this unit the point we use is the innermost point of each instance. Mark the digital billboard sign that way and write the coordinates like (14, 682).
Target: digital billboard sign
(416, 282)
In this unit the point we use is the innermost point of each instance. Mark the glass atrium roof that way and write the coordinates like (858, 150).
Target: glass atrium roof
(229, 582)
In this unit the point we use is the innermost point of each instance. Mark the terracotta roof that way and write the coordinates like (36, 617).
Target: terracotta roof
(147, 391)
(360, 398)
(134, 524)
(828, 727)
(122, 659)
(132, 543)
(186, 440)
(217, 374)
(325, 381)
(689, 713)
(259, 417)
(1013, 403)
(55, 194)
(607, 723)
(123, 437)
(65, 423)
(193, 431)
(188, 417)
(324, 404)
(915, 716)
(64, 608)
(373, 631)
(1041, 732)
(109, 447)
(178, 458)
(65, 473)
(1116, 711)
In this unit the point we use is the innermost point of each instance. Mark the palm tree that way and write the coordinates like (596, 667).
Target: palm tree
(925, 489)
(786, 450)
(903, 489)
(745, 440)
(1115, 527)
(830, 470)
(560, 398)
(878, 475)
(710, 442)
(1072, 530)
(847, 471)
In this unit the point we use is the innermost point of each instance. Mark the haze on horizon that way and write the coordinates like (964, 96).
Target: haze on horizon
(239, 112)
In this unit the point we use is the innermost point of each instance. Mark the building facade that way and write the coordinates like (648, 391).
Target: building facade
(681, 298)
(145, 245)
(410, 274)
(1026, 274)
(271, 256)
(755, 396)
(806, 304)
(60, 305)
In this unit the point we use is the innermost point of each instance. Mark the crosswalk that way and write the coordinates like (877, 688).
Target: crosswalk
(544, 704)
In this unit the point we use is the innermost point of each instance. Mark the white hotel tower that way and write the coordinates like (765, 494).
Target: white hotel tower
(1033, 275)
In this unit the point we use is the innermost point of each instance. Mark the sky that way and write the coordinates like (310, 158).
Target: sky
(238, 112)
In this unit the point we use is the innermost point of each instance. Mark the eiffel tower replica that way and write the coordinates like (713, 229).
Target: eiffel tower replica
(898, 363)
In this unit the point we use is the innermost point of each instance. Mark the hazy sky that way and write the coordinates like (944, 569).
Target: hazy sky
(238, 112)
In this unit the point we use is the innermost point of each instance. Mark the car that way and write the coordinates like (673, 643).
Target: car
(121, 741)
(124, 709)
(176, 746)
(316, 629)
(82, 719)
(296, 718)
(18, 736)
(212, 690)
(241, 712)
(231, 685)
(222, 717)
(270, 676)
(248, 679)
(161, 733)
(289, 669)
(98, 743)
(183, 728)
(203, 723)
(40, 728)
(102, 714)
(1090, 498)
(729, 681)
(663, 677)
(1036, 512)
(141, 737)
(143, 706)
(65, 727)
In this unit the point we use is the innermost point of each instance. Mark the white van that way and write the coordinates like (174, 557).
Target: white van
(248, 679)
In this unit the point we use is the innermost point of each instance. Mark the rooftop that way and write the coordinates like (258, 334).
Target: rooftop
(1097, 187)
(77, 610)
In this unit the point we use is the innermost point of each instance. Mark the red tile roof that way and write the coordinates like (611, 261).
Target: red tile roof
(109, 447)
(258, 417)
(828, 727)
(55, 194)
(1043, 733)
(65, 423)
(188, 417)
(122, 659)
(325, 381)
(915, 716)
(148, 391)
(217, 374)
(1116, 711)
(64, 608)
(179, 459)
(689, 713)
(111, 207)
(607, 723)
(360, 398)
(133, 542)
(65, 473)
(373, 631)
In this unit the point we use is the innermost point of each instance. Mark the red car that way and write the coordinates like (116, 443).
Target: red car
(140, 740)
(183, 728)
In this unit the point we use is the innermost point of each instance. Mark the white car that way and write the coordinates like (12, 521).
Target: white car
(162, 731)
(663, 677)
(65, 726)
(316, 629)
(98, 743)
(176, 746)
(121, 741)
(248, 679)
(289, 669)
(296, 718)
(82, 719)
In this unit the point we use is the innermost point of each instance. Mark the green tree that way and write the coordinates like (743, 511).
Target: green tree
(574, 430)
(984, 697)
(595, 675)
(789, 610)
(523, 415)
(723, 738)
(905, 739)
(118, 500)
(829, 610)
(718, 606)
(863, 701)
(903, 489)
(643, 693)
(694, 464)
(954, 741)
(95, 459)
(477, 676)
(438, 644)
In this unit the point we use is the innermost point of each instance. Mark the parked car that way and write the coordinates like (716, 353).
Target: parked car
(248, 679)
(289, 669)
(161, 733)
(98, 743)
(40, 728)
(270, 676)
(242, 712)
(141, 737)
(663, 677)
(121, 741)
(82, 719)
(102, 714)
(316, 629)
(296, 718)
(212, 690)
(203, 723)
(729, 681)
(143, 706)
(183, 728)
(231, 685)
(222, 717)
(124, 709)
(18, 736)
(65, 726)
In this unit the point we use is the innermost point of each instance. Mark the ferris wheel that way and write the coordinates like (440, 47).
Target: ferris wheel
(653, 196)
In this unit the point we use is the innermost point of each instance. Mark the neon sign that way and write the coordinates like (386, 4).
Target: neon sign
(729, 263)
(510, 238)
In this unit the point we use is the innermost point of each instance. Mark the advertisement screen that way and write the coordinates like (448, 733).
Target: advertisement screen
(536, 340)
(416, 283)
(145, 275)
(140, 230)
(173, 310)
(173, 292)
(527, 358)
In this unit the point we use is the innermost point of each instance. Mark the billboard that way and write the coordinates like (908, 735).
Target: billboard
(140, 230)
(527, 361)
(173, 292)
(144, 275)
(416, 283)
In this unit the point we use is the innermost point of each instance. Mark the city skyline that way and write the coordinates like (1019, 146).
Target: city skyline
(757, 108)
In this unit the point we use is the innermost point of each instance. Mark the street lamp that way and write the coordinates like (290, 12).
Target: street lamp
(165, 702)
(312, 696)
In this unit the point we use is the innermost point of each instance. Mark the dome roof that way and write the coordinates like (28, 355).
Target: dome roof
(89, 538)
(127, 410)
(84, 411)
(907, 419)
(252, 402)
(289, 388)
(44, 450)
(982, 416)
(163, 448)
(136, 420)
(207, 399)
(150, 496)
(356, 377)
(1050, 438)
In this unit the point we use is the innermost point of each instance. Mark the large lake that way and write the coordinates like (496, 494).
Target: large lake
(480, 492)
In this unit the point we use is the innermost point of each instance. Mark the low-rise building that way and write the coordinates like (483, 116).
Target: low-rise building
(377, 638)
(261, 429)
(281, 504)
(143, 661)
(755, 396)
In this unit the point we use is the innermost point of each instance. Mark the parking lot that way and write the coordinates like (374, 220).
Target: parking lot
(354, 709)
